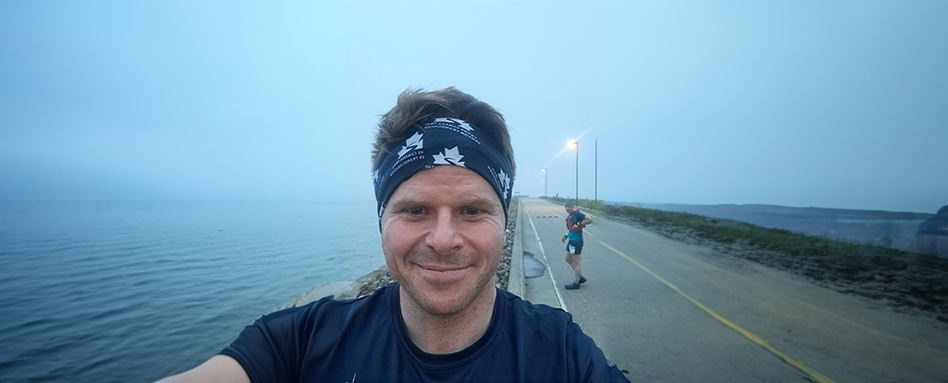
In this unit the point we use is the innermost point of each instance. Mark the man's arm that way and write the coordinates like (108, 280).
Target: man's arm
(583, 222)
(578, 226)
(219, 369)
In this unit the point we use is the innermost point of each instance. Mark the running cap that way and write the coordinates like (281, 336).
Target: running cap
(442, 141)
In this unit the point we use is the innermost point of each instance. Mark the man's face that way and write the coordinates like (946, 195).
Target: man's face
(570, 209)
(442, 232)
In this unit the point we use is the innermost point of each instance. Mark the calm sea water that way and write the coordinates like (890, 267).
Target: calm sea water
(135, 291)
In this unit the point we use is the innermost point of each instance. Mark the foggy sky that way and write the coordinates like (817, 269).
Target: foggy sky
(840, 104)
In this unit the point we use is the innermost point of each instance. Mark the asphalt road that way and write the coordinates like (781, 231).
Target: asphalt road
(673, 312)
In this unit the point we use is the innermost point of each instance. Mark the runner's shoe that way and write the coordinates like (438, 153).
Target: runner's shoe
(582, 279)
(572, 286)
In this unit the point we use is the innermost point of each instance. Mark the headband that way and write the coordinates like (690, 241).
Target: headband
(442, 141)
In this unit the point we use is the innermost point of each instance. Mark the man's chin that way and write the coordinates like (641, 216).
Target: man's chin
(441, 299)
(441, 305)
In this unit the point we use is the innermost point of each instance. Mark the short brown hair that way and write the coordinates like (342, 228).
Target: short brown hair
(415, 105)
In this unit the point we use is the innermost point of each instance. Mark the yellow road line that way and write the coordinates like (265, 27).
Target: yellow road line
(749, 335)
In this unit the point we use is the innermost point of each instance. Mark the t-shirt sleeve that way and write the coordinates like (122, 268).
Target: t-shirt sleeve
(269, 349)
(591, 363)
(579, 217)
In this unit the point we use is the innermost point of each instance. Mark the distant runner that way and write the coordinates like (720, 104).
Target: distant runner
(575, 222)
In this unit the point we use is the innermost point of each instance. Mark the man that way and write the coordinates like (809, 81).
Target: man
(575, 222)
(443, 167)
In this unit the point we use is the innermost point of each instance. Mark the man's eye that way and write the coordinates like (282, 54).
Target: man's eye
(472, 211)
(415, 210)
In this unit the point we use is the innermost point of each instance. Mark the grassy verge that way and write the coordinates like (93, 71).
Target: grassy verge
(838, 253)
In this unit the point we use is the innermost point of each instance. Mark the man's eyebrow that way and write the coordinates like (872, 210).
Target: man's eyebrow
(475, 201)
(402, 202)
(469, 201)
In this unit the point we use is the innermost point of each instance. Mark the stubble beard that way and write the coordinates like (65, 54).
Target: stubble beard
(430, 298)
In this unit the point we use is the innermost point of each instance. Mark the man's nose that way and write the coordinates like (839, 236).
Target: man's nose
(444, 236)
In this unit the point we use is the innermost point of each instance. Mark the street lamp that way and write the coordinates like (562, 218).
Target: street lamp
(545, 183)
(574, 142)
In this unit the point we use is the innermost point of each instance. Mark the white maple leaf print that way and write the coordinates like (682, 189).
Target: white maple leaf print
(456, 122)
(449, 156)
(412, 143)
(504, 183)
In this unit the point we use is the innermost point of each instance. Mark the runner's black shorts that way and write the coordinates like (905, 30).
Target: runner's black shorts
(574, 247)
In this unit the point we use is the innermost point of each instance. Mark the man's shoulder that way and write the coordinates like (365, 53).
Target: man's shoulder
(329, 309)
(539, 314)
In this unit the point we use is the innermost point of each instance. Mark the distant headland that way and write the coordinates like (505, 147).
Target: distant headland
(916, 232)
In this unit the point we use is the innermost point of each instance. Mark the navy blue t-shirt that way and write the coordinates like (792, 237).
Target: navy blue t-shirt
(364, 340)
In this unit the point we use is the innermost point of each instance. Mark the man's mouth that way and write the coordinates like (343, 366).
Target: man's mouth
(441, 272)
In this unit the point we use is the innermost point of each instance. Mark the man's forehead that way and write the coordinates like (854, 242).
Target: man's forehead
(457, 199)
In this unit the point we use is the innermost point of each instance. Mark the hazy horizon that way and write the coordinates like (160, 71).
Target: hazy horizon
(835, 104)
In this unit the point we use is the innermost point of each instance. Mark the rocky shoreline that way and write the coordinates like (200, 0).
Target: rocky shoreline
(381, 277)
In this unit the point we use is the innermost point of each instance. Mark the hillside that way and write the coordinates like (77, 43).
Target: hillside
(897, 230)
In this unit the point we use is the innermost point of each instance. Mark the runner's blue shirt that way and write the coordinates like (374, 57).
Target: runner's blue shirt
(576, 217)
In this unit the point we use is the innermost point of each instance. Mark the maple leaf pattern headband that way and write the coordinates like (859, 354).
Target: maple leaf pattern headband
(442, 141)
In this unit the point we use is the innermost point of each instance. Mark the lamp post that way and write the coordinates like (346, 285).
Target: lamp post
(577, 168)
(545, 177)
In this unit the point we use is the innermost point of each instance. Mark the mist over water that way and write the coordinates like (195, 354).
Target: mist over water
(135, 291)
